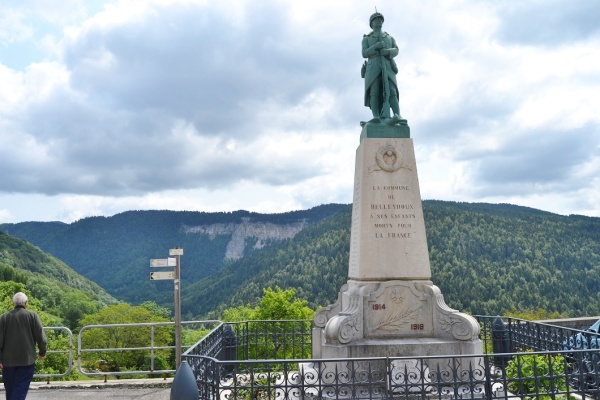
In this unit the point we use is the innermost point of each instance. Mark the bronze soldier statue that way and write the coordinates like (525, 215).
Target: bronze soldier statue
(379, 71)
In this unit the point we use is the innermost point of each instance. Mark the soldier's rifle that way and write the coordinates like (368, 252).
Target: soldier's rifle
(385, 108)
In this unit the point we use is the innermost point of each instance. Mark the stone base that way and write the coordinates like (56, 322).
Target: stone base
(383, 130)
(396, 310)
(395, 319)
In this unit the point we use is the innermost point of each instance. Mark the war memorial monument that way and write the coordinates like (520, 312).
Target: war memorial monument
(389, 306)
(390, 335)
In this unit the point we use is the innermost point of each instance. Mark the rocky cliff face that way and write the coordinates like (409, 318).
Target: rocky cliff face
(248, 231)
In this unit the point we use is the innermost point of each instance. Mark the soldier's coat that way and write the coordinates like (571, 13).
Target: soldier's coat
(374, 62)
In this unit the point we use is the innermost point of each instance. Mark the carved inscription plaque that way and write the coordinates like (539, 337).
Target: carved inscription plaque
(398, 311)
(388, 231)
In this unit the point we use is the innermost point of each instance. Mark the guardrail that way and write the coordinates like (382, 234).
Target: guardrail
(58, 330)
(145, 333)
(153, 349)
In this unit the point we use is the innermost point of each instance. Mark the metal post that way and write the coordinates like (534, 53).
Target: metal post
(152, 348)
(177, 313)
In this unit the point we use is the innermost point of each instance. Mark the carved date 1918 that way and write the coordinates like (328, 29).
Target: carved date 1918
(417, 327)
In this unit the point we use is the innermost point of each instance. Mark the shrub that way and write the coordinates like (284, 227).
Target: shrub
(538, 375)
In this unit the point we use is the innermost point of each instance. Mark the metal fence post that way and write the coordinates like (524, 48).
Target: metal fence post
(500, 342)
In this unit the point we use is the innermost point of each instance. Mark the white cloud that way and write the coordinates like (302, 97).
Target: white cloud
(13, 27)
(229, 105)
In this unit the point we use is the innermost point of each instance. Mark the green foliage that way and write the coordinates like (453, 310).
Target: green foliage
(191, 336)
(530, 374)
(11, 274)
(239, 313)
(533, 315)
(56, 362)
(157, 310)
(8, 290)
(124, 337)
(56, 292)
(281, 304)
(276, 339)
(276, 304)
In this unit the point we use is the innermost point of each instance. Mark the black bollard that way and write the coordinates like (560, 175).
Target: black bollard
(229, 343)
(228, 353)
(500, 342)
(184, 384)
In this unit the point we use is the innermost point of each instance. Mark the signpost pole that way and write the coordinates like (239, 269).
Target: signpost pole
(175, 275)
(177, 311)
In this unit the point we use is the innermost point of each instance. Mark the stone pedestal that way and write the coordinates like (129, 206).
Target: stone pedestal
(389, 307)
(388, 238)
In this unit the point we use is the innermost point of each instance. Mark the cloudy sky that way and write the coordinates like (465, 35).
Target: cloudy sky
(220, 105)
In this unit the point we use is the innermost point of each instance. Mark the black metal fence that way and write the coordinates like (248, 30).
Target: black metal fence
(523, 359)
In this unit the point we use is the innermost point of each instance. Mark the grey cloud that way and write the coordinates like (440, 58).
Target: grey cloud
(121, 168)
(225, 173)
(193, 63)
(544, 159)
(111, 131)
(548, 22)
(475, 109)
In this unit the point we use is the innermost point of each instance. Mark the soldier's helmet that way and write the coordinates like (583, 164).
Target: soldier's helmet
(376, 15)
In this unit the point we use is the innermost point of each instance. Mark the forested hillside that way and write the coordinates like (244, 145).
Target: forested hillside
(486, 258)
(491, 258)
(115, 251)
(62, 292)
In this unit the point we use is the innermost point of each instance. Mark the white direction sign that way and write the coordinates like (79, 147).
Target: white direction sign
(163, 262)
(175, 252)
(158, 276)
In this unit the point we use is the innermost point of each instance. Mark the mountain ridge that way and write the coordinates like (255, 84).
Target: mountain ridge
(486, 258)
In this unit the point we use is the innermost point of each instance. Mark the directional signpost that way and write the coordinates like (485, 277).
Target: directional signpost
(173, 261)
(162, 275)
(163, 262)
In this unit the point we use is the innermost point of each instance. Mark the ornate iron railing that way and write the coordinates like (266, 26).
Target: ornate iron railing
(259, 360)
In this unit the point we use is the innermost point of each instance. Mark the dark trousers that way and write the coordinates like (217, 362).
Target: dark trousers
(16, 381)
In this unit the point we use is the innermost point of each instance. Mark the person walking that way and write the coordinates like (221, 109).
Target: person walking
(20, 331)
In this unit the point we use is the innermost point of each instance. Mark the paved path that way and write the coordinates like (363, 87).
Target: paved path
(104, 393)
(143, 389)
